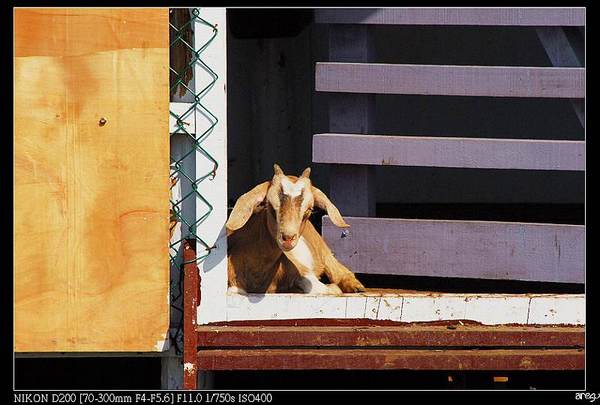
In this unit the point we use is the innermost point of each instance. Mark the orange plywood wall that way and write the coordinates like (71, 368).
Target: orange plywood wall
(91, 179)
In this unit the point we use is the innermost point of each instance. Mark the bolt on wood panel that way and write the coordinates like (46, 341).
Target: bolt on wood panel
(91, 180)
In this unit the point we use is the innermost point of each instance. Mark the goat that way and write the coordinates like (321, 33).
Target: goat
(272, 247)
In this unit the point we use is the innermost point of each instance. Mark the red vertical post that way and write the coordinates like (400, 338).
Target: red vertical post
(191, 299)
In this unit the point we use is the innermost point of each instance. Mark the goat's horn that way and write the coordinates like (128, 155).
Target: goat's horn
(277, 169)
(306, 173)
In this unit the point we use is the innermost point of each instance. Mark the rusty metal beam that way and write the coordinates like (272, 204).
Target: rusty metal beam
(382, 359)
(191, 299)
(381, 336)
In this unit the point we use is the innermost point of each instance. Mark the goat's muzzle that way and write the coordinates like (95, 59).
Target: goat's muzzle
(288, 242)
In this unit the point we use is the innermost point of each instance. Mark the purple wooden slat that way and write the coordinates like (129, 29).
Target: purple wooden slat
(448, 152)
(490, 81)
(455, 16)
(466, 249)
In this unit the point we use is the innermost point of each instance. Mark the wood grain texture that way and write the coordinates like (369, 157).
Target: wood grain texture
(478, 153)
(91, 200)
(470, 249)
(489, 81)
(454, 16)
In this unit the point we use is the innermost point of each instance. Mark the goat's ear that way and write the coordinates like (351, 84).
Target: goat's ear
(306, 173)
(277, 170)
(245, 205)
(324, 203)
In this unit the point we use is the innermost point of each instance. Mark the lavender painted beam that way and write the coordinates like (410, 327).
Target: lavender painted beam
(443, 80)
(454, 16)
(482, 153)
(464, 249)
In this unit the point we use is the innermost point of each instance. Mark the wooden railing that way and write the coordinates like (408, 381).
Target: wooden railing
(472, 249)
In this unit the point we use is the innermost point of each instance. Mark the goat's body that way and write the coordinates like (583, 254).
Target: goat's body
(257, 265)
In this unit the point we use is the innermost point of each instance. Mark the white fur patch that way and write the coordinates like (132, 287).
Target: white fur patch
(291, 189)
(236, 290)
(310, 284)
(302, 254)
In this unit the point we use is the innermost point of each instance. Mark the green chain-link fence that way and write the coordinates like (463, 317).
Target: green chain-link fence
(185, 59)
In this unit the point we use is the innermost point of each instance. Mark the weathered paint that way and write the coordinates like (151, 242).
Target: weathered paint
(400, 334)
(487, 81)
(457, 152)
(467, 249)
(404, 306)
(191, 300)
(386, 359)
(517, 16)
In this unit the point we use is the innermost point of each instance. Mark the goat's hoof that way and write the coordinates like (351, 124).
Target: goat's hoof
(236, 290)
(351, 285)
(333, 289)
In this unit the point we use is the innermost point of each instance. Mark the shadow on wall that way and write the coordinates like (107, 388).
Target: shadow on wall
(267, 23)
(274, 110)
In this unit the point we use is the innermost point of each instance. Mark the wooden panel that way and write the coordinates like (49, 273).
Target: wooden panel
(380, 336)
(470, 249)
(387, 359)
(91, 199)
(491, 81)
(448, 152)
(454, 16)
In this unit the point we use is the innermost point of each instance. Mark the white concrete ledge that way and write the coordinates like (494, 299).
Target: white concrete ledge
(489, 309)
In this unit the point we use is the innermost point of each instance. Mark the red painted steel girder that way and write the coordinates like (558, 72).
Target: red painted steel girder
(381, 336)
(384, 359)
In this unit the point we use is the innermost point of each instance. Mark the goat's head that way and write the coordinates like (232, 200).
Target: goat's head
(289, 201)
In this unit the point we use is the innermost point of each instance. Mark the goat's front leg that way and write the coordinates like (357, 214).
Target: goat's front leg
(335, 271)
(310, 284)
(341, 275)
(306, 280)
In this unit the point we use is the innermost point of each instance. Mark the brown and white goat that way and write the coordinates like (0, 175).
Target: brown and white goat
(273, 247)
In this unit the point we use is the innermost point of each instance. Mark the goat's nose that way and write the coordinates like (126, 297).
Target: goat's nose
(288, 238)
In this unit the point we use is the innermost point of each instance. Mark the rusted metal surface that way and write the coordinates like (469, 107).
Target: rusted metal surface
(381, 336)
(191, 298)
(383, 359)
